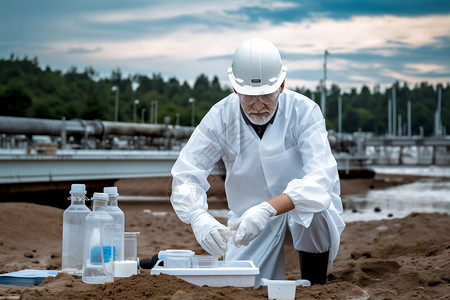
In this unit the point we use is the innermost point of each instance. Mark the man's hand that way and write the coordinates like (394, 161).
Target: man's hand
(252, 223)
(211, 235)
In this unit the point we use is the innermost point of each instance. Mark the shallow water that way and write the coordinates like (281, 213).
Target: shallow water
(426, 195)
(432, 171)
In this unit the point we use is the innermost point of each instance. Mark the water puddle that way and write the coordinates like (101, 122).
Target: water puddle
(424, 196)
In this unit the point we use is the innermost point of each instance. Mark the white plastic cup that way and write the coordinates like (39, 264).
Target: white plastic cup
(283, 289)
(205, 261)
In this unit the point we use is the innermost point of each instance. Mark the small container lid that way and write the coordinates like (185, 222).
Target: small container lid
(100, 196)
(110, 190)
(78, 189)
(131, 234)
(178, 253)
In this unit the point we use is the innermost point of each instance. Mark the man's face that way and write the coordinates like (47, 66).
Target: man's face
(260, 109)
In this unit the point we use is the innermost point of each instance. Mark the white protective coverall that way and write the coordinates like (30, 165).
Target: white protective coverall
(293, 157)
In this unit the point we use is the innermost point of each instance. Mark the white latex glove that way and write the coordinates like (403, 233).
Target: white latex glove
(211, 235)
(252, 223)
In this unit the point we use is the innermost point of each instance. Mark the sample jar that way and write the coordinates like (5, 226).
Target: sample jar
(130, 246)
(176, 258)
(128, 266)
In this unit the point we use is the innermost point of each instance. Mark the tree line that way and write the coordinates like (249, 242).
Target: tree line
(27, 90)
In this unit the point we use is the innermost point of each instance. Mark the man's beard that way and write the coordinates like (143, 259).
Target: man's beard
(259, 119)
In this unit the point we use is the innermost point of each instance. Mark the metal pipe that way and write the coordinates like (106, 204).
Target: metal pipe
(181, 132)
(18, 125)
(120, 128)
(33, 126)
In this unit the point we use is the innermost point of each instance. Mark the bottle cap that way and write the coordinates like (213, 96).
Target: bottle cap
(78, 189)
(110, 190)
(100, 196)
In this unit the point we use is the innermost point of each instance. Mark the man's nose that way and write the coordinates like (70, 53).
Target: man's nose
(258, 105)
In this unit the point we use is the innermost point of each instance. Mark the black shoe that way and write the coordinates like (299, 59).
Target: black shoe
(313, 266)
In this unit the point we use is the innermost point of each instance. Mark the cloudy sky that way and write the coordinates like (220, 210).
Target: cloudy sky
(370, 42)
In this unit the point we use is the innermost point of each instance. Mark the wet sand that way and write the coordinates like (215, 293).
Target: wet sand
(389, 259)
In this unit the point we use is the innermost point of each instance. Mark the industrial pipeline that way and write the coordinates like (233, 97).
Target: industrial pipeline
(18, 132)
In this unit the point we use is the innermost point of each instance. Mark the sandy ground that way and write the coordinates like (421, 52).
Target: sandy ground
(391, 259)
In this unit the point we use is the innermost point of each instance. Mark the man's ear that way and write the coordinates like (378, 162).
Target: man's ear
(282, 86)
(234, 90)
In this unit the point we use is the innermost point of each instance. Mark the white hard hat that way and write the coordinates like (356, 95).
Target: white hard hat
(256, 68)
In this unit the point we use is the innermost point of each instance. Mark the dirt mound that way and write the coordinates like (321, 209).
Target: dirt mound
(145, 286)
(30, 237)
(390, 259)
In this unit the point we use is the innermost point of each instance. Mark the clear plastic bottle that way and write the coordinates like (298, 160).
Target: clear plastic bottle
(118, 219)
(73, 230)
(98, 264)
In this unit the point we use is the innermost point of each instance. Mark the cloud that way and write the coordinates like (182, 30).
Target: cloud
(415, 78)
(426, 68)
(364, 33)
(370, 41)
(81, 50)
(174, 9)
(371, 34)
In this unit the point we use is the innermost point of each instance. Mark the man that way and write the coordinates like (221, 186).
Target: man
(281, 178)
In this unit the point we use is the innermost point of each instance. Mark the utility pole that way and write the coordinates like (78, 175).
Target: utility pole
(438, 124)
(135, 103)
(154, 112)
(143, 114)
(394, 111)
(192, 100)
(116, 111)
(324, 84)
(340, 117)
(389, 117)
(409, 119)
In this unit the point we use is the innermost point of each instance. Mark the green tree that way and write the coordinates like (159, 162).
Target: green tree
(27, 90)
(14, 101)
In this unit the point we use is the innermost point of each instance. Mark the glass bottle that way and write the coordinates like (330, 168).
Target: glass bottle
(98, 264)
(118, 219)
(73, 230)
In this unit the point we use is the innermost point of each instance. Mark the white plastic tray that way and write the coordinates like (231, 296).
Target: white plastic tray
(238, 273)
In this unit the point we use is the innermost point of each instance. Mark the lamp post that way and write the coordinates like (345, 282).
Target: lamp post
(143, 114)
(136, 102)
(154, 112)
(323, 84)
(192, 100)
(115, 88)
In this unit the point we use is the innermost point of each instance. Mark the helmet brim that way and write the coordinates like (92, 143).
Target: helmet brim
(257, 89)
